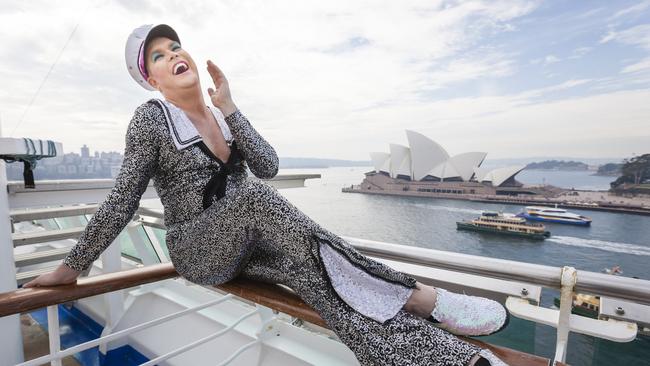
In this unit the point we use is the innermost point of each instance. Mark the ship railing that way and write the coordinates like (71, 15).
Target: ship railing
(522, 281)
(268, 299)
(512, 280)
(24, 300)
(43, 205)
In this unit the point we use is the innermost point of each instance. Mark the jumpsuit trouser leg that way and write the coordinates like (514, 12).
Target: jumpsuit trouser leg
(253, 231)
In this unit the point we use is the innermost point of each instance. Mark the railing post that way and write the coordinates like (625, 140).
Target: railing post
(53, 332)
(568, 282)
(112, 262)
(267, 329)
(11, 344)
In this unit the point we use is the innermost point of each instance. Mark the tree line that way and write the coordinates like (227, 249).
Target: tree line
(635, 171)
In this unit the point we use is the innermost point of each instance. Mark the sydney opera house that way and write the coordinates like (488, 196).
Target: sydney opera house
(425, 166)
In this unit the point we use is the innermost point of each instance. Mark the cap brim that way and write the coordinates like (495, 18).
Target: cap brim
(161, 30)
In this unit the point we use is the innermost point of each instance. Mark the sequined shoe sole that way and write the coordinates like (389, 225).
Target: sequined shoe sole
(505, 324)
(468, 315)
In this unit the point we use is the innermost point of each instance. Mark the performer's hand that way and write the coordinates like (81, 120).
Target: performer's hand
(62, 275)
(220, 95)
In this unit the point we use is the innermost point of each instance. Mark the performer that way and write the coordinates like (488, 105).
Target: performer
(222, 224)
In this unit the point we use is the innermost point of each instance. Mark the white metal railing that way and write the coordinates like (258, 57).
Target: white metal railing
(490, 267)
(56, 354)
(634, 289)
(567, 279)
(27, 205)
(199, 342)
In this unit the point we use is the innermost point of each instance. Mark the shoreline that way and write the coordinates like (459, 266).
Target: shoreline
(606, 206)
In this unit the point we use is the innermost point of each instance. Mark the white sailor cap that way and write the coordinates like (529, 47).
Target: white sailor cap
(136, 46)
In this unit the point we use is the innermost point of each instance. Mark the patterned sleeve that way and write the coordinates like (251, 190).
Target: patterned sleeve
(139, 165)
(259, 154)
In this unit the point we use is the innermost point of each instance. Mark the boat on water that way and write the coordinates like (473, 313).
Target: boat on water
(555, 215)
(616, 270)
(506, 224)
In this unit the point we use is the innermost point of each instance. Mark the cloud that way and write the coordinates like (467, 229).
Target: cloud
(551, 59)
(643, 65)
(465, 69)
(323, 79)
(547, 60)
(638, 36)
(527, 95)
(309, 62)
(503, 124)
(580, 52)
(632, 11)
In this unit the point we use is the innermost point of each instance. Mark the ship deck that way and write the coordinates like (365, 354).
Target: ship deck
(36, 341)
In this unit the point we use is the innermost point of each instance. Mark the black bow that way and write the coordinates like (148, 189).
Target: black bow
(217, 184)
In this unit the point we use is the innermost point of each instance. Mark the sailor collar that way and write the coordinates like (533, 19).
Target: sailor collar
(182, 130)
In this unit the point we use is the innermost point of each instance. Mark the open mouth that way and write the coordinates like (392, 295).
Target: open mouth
(180, 68)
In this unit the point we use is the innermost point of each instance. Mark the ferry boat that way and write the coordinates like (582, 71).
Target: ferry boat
(554, 214)
(507, 224)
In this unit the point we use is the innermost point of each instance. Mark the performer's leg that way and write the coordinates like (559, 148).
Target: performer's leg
(402, 340)
(220, 242)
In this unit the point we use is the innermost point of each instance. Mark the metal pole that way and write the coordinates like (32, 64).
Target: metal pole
(112, 262)
(633, 289)
(53, 333)
(11, 346)
(569, 277)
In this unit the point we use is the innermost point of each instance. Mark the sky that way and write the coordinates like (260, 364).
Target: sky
(338, 79)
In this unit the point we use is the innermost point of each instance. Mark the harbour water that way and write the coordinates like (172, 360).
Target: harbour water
(613, 239)
(566, 179)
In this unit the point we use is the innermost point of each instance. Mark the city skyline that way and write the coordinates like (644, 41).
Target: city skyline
(337, 80)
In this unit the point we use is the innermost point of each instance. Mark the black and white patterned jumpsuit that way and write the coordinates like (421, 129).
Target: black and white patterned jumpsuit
(253, 231)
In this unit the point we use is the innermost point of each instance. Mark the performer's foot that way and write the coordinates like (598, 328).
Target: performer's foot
(468, 315)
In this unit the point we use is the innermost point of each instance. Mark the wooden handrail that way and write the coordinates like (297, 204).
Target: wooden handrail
(281, 299)
(27, 299)
(273, 296)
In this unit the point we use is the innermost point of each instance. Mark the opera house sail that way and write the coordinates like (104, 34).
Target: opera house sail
(424, 166)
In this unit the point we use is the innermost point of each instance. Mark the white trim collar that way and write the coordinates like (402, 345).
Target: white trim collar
(182, 130)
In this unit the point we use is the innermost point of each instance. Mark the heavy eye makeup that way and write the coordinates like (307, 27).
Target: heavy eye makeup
(155, 56)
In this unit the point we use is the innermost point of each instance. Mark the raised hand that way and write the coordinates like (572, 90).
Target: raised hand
(220, 95)
(62, 275)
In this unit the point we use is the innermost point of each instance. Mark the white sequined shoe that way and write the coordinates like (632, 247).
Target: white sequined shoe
(468, 315)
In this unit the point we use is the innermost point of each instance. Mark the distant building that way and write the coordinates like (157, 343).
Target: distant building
(85, 151)
(72, 166)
